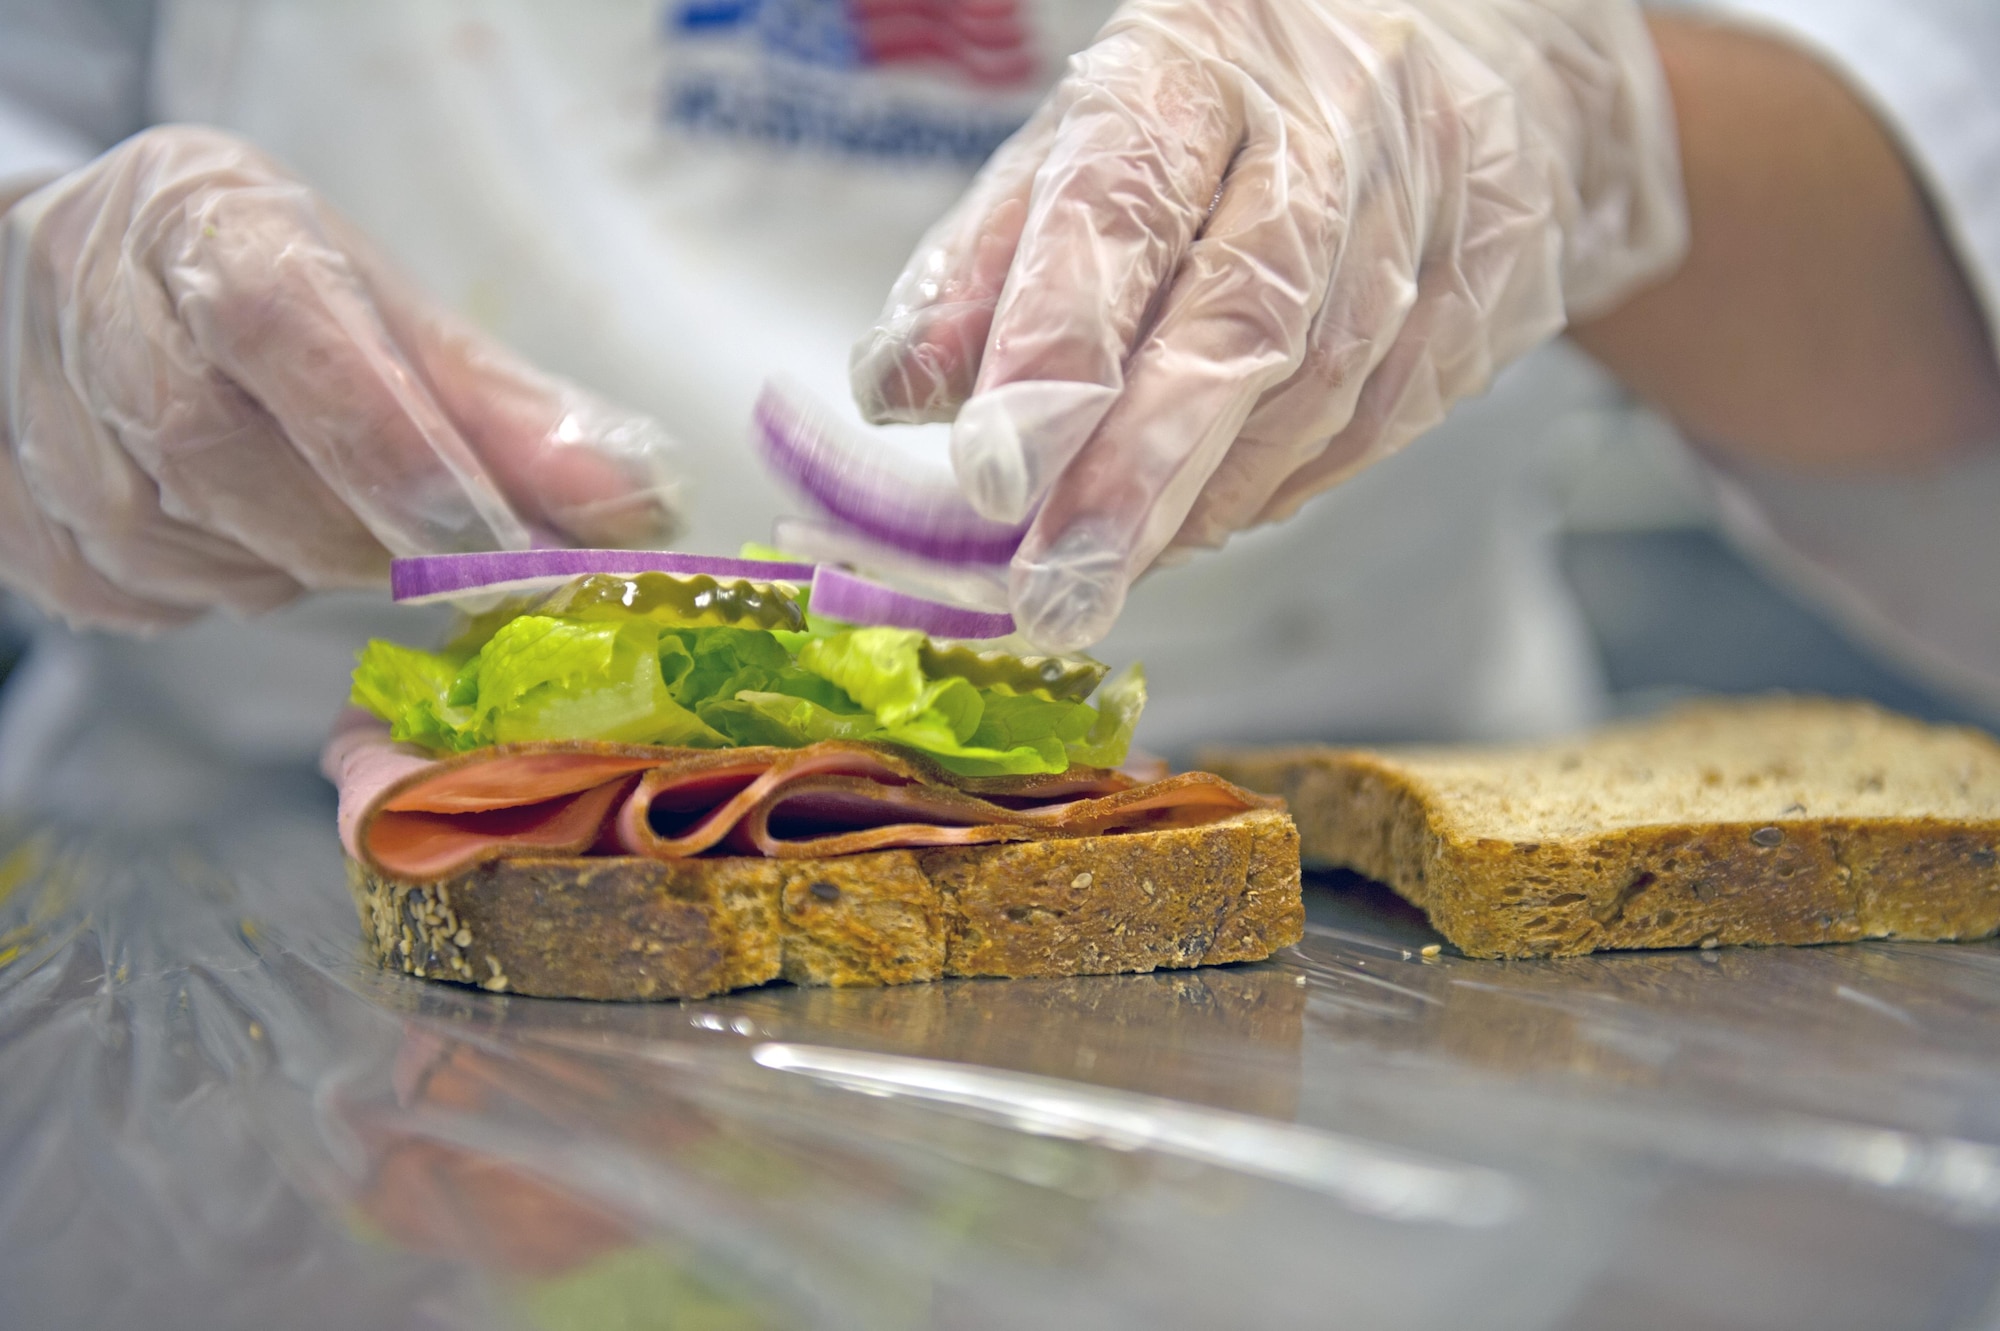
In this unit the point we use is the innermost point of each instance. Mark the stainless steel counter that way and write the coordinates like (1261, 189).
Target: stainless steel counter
(214, 1113)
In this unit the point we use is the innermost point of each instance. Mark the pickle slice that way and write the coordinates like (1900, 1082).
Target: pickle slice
(676, 600)
(1066, 678)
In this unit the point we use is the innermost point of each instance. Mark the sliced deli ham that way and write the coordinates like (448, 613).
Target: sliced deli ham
(667, 819)
(819, 815)
(411, 816)
(421, 846)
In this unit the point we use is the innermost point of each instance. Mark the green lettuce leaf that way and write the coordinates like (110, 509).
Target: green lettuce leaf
(557, 679)
(880, 669)
(876, 667)
(929, 735)
(410, 689)
(1119, 703)
(726, 661)
(1012, 719)
(531, 652)
(676, 663)
(536, 677)
(784, 720)
(628, 680)
(798, 683)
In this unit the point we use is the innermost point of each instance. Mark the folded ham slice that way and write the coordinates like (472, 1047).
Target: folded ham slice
(418, 818)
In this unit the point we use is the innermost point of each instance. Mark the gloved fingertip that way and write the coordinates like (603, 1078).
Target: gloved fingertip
(877, 378)
(608, 477)
(1069, 600)
(899, 377)
(647, 519)
(988, 459)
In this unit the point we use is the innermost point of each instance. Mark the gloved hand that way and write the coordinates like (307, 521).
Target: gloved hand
(1249, 246)
(213, 392)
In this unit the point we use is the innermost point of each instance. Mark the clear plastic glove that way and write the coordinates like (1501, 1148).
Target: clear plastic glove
(214, 393)
(1249, 246)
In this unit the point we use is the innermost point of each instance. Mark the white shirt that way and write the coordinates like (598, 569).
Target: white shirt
(600, 185)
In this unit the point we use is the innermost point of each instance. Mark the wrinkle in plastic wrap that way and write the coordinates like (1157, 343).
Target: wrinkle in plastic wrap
(215, 1112)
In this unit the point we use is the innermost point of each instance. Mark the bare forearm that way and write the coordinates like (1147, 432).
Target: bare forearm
(1820, 321)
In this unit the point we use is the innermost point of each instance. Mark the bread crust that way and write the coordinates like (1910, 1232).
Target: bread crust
(631, 928)
(1674, 883)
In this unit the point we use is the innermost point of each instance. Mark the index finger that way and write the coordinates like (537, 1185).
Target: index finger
(918, 363)
(1145, 133)
(1227, 332)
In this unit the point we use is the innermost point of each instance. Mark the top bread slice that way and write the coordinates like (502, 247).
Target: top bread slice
(1768, 820)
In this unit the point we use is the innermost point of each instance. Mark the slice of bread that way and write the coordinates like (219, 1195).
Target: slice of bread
(1769, 820)
(626, 927)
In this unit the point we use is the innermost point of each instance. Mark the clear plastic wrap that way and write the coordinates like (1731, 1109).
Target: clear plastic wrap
(214, 1112)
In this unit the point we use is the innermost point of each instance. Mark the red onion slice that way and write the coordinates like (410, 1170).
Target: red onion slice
(840, 595)
(886, 496)
(445, 577)
(824, 541)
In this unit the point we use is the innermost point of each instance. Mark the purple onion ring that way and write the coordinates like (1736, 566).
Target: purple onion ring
(859, 485)
(837, 594)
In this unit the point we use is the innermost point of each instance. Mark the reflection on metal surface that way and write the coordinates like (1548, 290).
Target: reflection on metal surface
(1960, 1176)
(1228, 1037)
(1371, 1180)
(215, 1113)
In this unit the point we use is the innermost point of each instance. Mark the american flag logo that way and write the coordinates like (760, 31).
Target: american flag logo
(986, 42)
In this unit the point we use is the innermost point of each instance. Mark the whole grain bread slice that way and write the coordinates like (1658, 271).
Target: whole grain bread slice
(633, 928)
(1767, 820)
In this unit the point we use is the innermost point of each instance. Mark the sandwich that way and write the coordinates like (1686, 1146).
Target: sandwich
(651, 775)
